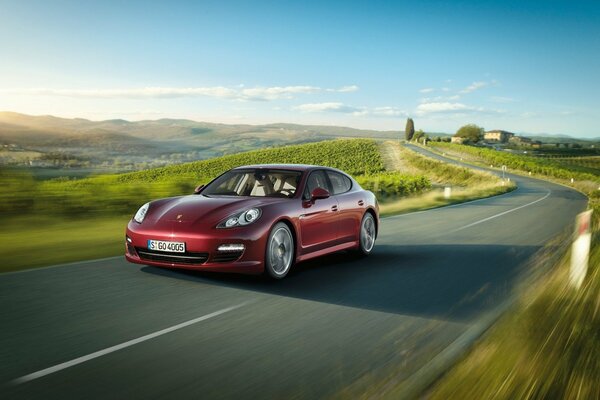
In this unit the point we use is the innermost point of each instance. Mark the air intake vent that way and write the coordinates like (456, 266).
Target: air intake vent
(229, 256)
(177, 258)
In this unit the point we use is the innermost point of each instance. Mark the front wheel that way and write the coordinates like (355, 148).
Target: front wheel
(367, 234)
(280, 251)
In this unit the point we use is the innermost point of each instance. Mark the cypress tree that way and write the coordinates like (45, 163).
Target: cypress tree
(409, 131)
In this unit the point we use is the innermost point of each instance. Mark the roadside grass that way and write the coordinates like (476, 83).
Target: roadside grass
(466, 184)
(546, 347)
(33, 241)
(435, 198)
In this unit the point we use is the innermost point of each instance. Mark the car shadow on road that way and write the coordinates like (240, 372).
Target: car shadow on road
(452, 282)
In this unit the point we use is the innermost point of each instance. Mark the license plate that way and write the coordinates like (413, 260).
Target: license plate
(161, 245)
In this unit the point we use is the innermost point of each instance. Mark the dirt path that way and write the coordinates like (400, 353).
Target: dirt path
(392, 158)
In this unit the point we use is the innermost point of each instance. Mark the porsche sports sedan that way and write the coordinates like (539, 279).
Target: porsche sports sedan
(255, 219)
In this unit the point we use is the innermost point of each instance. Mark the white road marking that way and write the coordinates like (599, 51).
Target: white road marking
(501, 214)
(100, 353)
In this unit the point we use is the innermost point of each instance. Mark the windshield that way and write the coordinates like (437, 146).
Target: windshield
(256, 183)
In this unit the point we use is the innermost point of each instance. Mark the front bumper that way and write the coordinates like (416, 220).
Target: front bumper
(202, 252)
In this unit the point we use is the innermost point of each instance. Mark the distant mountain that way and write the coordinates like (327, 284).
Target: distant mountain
(174, 129)
(140, 144)
(557, 138)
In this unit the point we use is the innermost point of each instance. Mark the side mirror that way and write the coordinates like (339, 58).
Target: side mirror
(319, 194)
(198, 189)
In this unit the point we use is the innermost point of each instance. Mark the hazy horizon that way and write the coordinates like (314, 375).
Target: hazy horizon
(400, 129)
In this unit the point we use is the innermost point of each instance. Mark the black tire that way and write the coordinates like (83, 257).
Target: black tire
(279, 254)
(367, 235)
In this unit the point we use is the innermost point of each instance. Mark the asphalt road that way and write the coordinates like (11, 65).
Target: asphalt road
(109, 329)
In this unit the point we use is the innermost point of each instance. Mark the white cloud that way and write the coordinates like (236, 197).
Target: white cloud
(445, 107)
(500, 99)
(239, 92)
(148, 92)
(451, 108)
(474, 86)
(426, 90)
(389, 112)
(346, 89)
(324, 107)
(276, 92)
(438, 99)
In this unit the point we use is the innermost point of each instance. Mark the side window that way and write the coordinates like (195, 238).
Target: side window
(339, 182)
(315, 180)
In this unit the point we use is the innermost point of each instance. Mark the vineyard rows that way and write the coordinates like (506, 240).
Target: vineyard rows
(123, 193)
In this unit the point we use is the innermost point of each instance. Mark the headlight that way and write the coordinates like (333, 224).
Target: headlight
(141, 213)
(240, 219)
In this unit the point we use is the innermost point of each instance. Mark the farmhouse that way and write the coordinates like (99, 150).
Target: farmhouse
(498, 136)
(525, 141)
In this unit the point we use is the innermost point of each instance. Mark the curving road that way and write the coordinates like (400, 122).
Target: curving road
(333, 327)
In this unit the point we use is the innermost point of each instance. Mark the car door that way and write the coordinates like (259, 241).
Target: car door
(319, 218)
(350, 206)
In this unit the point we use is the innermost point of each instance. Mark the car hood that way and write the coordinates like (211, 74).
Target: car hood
(199, 211)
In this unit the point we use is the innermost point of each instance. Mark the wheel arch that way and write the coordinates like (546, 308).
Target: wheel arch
(292, 229)
(374, 214)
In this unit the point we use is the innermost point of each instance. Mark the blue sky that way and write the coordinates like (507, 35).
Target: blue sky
(524, 66)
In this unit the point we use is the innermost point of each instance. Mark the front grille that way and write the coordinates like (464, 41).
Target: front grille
(227, 256)
(172, 258)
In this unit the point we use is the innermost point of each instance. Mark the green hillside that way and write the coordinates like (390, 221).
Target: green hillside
(118, 194)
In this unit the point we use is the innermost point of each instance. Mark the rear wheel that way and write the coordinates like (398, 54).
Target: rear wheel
(280, 251)
(367, 234)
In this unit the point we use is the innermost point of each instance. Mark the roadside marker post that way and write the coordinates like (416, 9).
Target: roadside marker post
(580, 250)
(503, 171)
(447, 192)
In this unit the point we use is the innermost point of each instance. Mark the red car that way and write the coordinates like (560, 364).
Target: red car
(254, 219)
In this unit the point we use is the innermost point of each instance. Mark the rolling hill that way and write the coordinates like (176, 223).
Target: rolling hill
(132, 145)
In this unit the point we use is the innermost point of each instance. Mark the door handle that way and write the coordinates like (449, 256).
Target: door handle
(334, 208)
(361, 203)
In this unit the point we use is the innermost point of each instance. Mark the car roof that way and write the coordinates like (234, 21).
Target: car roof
(293, 167)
